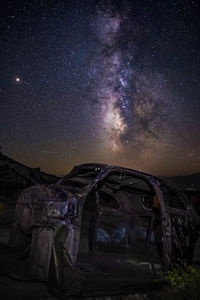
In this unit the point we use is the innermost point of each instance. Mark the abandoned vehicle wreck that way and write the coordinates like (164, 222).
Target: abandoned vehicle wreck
(103, 230)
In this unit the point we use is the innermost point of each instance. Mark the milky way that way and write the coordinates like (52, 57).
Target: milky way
(135, 105)
(114, 81)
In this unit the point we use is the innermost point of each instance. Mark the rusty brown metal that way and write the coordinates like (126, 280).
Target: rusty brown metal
(101, 226)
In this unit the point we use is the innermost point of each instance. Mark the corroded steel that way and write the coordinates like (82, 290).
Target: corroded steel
(102, 225)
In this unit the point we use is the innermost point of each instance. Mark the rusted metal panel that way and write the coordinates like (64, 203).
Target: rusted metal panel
(41, 250)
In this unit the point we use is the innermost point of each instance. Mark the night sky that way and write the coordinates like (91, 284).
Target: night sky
(115, 82)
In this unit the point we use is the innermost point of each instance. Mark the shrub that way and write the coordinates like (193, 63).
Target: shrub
(183, 282)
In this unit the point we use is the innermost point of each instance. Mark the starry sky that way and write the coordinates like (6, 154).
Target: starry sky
(116, 82)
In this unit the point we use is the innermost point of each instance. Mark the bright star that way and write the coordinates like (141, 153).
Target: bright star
(17, 79)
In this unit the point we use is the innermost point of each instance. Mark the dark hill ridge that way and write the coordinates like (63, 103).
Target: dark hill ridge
(14, 177)
(30, 175)
(189, 181)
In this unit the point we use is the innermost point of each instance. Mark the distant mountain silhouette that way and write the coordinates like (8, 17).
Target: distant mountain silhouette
(189, 181)
(10, 168)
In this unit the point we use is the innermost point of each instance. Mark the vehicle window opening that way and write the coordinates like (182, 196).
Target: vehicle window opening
(107, 200)
(173, 200)
(140, 241)
(127, 230)
(194, 200)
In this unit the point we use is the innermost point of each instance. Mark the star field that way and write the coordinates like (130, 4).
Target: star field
(115, 82)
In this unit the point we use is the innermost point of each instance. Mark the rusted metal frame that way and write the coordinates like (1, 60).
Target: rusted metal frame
(93, 227)
(166, 226)
(177, 237)
(94, 224)
(185, 214)
(194, 214)
(146, 213)
(178, 211)
(102, 174)
(185, 240)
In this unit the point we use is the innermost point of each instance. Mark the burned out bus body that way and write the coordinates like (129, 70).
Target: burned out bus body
(104, 230)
